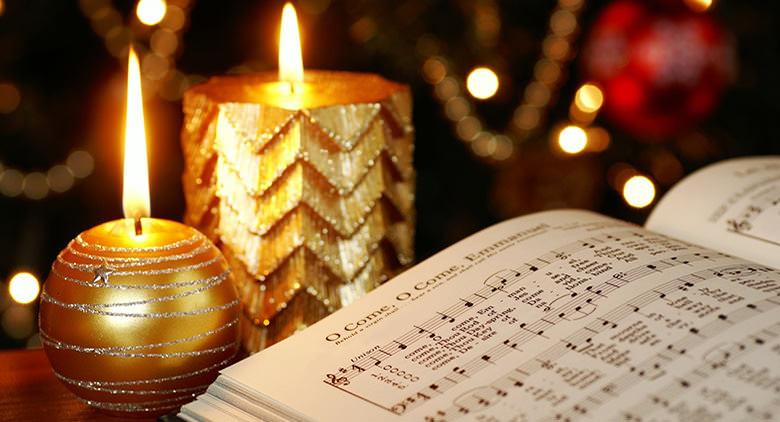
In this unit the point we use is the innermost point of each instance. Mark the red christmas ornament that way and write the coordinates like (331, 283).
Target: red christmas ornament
(661, 66)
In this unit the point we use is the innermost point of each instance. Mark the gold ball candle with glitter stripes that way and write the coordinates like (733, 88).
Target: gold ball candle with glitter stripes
(139, 324)
(138, 315)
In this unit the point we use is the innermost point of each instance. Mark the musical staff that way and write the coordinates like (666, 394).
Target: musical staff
(466, 334)
(749, 221)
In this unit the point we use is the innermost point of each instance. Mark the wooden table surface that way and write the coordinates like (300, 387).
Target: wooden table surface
(29, 391)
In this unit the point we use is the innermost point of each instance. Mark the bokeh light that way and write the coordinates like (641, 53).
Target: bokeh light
(589, 98)
(434, 70)
(572, 139)
(174, 19)
(35, 185)
(60, 178)
(81, 163)
(9, 97)
(699, 5)
(447, 88)
(639, 191)
(11, 182)
(18, 322)
(164, 42)
(537, 94)
(598, 139)
(23, 287)
(150, 12)
(482, 83)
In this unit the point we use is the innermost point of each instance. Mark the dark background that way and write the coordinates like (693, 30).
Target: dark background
(72, 97)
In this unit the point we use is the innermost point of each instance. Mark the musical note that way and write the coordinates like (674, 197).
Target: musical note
(488, 328)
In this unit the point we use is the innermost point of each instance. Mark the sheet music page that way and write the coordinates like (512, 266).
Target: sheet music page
(561, 315)
(732, 206)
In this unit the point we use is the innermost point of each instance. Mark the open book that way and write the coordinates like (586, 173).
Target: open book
(560, 315)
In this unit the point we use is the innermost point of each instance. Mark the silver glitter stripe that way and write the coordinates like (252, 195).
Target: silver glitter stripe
(92, 267)
(148, 392)
(148, 406)
(167, 247)
(87, 384)
(119, 286)
(57, 345)
(133, 261)
(90, 310)
(211, 284)
(46, 338)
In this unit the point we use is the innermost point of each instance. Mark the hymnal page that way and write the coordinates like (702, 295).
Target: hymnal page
(560, 315)
(732, 206)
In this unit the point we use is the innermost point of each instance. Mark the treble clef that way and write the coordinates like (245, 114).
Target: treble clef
(335, 380)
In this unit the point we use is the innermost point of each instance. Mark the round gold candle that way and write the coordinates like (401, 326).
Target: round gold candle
(139, 324)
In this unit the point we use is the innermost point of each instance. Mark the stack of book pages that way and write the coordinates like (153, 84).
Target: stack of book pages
(560, 315)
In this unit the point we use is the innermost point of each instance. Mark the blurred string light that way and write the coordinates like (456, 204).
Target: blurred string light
(639, 191)
(10, 97)
(598, 139)
(18, 321)
(24, 287)
(583, 110)
(589, 98)
(577, 136)
(482, 83)
(38, 185)
(150, 12)
(530, 114)
(699, 5)
(157, 46)
(572, 139)
(2, 7)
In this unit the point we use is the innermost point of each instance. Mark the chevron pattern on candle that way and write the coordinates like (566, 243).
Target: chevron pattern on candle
(312, 207)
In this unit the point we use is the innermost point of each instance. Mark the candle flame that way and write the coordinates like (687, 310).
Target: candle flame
(290, 58)
(135, 192)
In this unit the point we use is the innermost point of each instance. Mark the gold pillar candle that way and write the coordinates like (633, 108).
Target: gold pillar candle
(306, 185)
(138, 315)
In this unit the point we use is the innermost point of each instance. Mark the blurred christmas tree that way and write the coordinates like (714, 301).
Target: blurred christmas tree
(519, 106)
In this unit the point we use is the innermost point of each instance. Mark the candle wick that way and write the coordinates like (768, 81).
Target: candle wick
(138, 228)
(291, 86)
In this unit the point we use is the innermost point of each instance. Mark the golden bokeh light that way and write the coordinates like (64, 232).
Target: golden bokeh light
(9, 97)
(60, 178)
(434, 70)
(457, 108)
(11, 182)
(18, 321)
(572, 139)
(151, 12)
(24, 287)
(589, 98)
(699, 5)
(537, 94)
(482, 83)
(81, 163)
(639, 191)
(35, 185)
(447, 88)
(598, 139)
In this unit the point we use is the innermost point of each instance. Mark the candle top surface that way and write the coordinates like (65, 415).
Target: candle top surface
(157, 233)
(319, 89)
